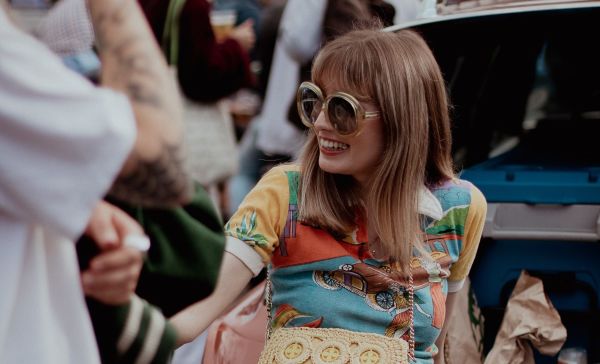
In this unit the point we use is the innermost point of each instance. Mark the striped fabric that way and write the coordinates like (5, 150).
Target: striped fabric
(136, 333)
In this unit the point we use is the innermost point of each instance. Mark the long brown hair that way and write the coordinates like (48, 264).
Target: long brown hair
(398, 72)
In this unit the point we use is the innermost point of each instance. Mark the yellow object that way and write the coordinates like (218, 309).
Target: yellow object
(303, 345)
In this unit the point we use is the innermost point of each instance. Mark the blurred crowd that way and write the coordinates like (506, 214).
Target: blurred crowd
(246, 56)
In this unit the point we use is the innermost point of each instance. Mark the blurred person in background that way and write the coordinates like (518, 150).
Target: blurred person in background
(64, 144)
(245, 9)
(265, 42)
(209, 68)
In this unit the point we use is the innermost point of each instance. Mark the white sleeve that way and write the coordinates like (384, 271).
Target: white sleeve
(245, 254)
(302, 27)
(62, 140)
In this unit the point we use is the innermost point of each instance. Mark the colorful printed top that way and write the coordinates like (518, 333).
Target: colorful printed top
(319, 281)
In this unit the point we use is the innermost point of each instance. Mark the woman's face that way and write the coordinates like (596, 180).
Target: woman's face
(356, 155)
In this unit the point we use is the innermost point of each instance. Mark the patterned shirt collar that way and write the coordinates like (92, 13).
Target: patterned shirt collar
(429, 205)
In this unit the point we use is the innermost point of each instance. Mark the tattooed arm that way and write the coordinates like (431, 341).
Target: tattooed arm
(133, 64)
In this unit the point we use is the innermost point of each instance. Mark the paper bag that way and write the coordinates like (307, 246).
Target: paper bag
(530, 319)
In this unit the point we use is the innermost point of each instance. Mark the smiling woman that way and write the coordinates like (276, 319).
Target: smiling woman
(370, 236)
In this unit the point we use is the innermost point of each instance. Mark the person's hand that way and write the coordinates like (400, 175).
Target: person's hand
(113, 274)
(244, 34)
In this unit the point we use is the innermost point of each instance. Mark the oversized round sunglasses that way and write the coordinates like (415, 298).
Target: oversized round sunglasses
(343, 110)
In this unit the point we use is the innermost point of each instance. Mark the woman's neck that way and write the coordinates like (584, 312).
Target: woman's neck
(375, 246)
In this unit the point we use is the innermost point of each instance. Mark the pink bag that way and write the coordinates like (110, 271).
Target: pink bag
(239, 336)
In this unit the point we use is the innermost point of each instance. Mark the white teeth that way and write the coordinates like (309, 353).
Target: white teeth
(329, 144)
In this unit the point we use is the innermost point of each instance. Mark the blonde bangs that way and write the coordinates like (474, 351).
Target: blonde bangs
(348, 66)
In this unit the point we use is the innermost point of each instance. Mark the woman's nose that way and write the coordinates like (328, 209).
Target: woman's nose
(322, 123)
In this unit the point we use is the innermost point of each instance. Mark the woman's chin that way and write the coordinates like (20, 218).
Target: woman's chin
(330, 167)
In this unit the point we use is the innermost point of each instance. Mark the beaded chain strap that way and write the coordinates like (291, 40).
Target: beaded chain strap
(411, 302)
(269, 304)
(411, 341)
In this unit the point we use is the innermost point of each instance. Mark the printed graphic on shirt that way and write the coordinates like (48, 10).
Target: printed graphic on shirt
(288, 316)
(383, 289)
(246, 231)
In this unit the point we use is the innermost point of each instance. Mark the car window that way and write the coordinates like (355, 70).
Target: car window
(529, 79)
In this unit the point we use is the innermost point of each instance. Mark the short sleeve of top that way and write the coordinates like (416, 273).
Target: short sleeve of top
(63, 140)
(259, 220)
(473, 228)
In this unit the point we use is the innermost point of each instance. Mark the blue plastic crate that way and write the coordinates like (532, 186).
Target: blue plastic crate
(503, 181)
(557, 163)
(499, 264)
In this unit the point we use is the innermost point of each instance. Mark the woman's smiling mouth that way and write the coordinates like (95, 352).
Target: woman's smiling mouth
(332, 146)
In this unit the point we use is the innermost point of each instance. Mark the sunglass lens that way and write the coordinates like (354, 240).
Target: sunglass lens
(310, 106)
(342, 115)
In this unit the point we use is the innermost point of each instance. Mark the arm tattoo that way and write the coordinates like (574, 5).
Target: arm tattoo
(136, 74)
(132, 64)
(155, 183)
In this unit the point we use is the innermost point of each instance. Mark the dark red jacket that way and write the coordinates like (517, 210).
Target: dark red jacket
(207, 70)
